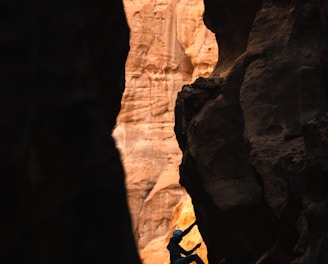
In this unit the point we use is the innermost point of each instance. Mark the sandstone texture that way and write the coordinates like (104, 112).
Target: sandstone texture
(183, 216)
(170, 46)
(254, 134)
(62, 193)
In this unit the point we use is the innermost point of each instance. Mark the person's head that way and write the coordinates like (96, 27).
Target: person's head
(177, 232)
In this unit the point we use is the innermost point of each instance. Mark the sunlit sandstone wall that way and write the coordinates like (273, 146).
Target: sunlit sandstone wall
(170, 46)
(183, 216)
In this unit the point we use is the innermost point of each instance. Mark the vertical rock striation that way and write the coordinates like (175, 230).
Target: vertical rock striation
(254, 135)
(170, 45)
(62, 193)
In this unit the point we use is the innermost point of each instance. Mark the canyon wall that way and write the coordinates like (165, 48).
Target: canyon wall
(254, 134)
(183, 216)
(62, 193)
(170, 46)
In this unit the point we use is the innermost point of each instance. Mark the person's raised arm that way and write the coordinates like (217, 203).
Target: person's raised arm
(189, 228)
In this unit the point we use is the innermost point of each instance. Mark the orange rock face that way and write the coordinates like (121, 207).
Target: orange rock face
(183, 216)
(164, 55)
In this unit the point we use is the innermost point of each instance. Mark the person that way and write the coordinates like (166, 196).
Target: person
(176, 250)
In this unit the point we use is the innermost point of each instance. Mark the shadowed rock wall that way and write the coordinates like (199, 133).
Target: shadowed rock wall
(62, 193)
(254, 135)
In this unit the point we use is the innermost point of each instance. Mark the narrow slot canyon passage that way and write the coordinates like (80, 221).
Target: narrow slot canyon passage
(169, 47)
(248, 142)
(252, 135)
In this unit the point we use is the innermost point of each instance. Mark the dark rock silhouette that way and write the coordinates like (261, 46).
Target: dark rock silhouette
(255, 154)
(62, 183)
(231, 21)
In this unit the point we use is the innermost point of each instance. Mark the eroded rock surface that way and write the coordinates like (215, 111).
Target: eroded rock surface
(170, 46)
(62, 193)
(182, 217)
(255, 144)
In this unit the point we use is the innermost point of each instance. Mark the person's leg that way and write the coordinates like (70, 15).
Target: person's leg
(181, 261)
(191, 258)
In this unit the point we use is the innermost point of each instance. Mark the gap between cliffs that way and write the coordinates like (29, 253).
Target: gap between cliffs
(169, 47)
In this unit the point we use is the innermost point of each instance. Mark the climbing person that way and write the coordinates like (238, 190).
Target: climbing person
(176, 251)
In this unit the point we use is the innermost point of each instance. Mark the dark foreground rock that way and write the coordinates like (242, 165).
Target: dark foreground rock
(255, 152)
(62, 194)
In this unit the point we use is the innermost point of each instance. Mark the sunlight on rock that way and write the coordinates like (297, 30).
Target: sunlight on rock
(183, 216)
(169, 47)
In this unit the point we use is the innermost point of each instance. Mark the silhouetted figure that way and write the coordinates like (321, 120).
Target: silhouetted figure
(176, 250)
